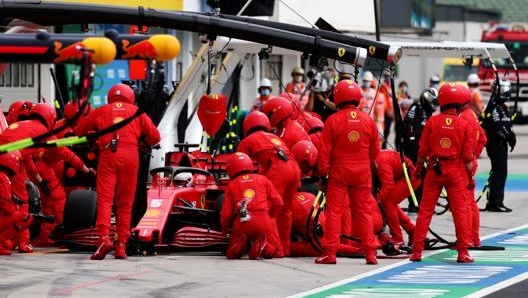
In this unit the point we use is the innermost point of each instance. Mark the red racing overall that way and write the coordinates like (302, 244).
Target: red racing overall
(474, 212)
(283, 172)
(349, 145)
(263, 203)
(394, 189)
(117, 165)
(18, 131)
(451, 140)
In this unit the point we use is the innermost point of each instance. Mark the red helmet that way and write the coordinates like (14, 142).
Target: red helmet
(345, 92)
(121, 92)
(295, 100)
(451, 93)
(305, 151)
(239, 163)
(277, 109)
(18, 108)
(45, 113)
(71, 109)
(256, 119)
(11, 161)
(313, 124)
(465, 96)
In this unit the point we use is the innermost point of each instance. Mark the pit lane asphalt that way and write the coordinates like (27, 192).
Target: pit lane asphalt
(59, 273)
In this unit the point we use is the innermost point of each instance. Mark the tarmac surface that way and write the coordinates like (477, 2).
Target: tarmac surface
(59, 273)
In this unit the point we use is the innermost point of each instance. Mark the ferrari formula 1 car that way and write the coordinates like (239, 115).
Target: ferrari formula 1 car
(184, 199)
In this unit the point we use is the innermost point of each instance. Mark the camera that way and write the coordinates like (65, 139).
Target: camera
(321, 80)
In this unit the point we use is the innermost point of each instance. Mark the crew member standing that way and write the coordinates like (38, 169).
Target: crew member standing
(499, 131)
(278, 164)
(468, 113)
(349, 146)
(447, 143)
(118, 164)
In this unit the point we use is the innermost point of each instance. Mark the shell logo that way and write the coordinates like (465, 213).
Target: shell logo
(276, 141)
(118, 119)
(448, 121)
(445, 143)
(353, 136)
(353, 115)
(249, 194)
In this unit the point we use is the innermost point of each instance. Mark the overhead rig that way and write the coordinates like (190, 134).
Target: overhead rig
(306, 40)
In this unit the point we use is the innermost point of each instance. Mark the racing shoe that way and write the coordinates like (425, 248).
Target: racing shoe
(104, 248)
(25, 248)
(326, 259)
(370, 258)
(416, 257)
(464, 257)
(120, 251)
(257, 249)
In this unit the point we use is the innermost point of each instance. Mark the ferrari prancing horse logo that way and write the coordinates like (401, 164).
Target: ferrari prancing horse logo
(353, 115)
(372, 50)
(341, 52)
(448, 121)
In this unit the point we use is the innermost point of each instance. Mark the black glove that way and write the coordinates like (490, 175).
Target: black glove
(512, 141)
(323, 184)
(17, 200)
(44, 186)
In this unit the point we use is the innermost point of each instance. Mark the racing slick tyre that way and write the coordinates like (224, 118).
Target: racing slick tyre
(80, 210)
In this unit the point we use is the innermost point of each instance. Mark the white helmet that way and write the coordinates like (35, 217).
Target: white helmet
(368, 76)
(473, 79)
(265, 82)
(183, 179)
(434, 79)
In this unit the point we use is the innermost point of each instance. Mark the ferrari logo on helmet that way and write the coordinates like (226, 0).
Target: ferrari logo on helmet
(119, 104)
(448, 121)
(341, 52)
(276, 141)
(353, 115)
(249, 194)
(353, 136)
(372, 50)
(445, 143)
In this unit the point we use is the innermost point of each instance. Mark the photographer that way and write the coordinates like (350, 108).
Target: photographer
(321, 98)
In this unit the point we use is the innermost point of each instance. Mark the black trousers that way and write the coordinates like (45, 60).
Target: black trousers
(497, 150)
